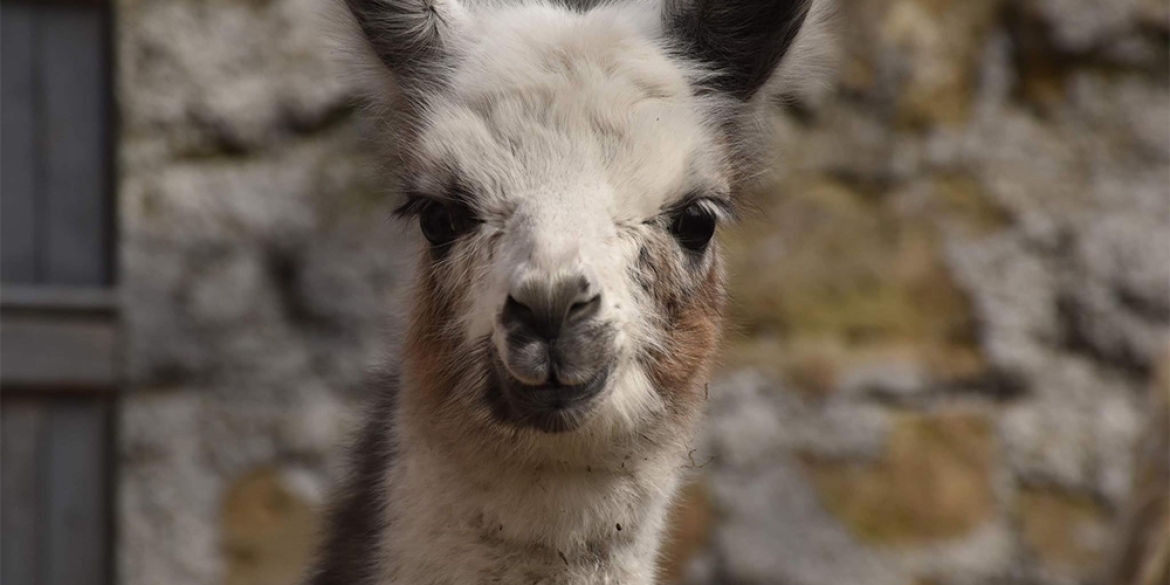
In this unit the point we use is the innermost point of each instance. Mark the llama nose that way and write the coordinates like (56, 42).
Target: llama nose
(553, 334)
(543, 310)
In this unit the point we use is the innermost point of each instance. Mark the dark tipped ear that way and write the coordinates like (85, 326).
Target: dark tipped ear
(411, 37)
(742, 40)
(580, 5)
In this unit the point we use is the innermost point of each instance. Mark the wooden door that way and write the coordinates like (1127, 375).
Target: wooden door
(58, 316)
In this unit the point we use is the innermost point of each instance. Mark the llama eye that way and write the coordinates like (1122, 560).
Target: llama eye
(442, 223)
(694, 227)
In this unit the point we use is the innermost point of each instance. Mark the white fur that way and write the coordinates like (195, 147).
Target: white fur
(577, 131)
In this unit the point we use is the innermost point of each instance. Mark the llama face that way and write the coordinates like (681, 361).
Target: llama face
(558, 188)
(568, 171)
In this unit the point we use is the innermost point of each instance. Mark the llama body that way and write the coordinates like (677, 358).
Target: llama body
(518, 524)
(568, 167)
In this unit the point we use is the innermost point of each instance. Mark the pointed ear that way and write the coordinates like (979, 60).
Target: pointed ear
(412, 38)
(743, 41)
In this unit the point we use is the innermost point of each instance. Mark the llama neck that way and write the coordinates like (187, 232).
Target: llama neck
(464, 517)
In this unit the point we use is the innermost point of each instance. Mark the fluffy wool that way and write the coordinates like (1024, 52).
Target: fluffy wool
(572, 136)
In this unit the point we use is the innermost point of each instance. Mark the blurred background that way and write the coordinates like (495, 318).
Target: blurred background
(951, 324)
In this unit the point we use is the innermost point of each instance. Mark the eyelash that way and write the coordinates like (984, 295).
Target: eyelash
(720, 208)
(413, 206)
(457, 194)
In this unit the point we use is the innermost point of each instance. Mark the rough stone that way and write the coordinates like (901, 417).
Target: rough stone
(1073, 433)
(932, 483)
(1064, 529)
(269, 529)
(857, 282)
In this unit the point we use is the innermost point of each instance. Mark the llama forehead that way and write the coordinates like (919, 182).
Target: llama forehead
(581, 111)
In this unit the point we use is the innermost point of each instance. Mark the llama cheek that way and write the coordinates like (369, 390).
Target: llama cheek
(486, 292)
(481, 320)
(690, 333)
(433, 357)
(626, 314)
(631, 307)
(632, 398)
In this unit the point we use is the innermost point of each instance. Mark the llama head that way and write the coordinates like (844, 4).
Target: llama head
(568, 166)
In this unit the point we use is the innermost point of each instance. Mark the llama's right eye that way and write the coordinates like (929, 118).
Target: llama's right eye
(442, 223)
(694, 226)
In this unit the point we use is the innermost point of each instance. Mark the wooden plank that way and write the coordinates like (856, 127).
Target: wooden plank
(72, 52)
(58, 353)
(57, 339)
(18, 135)
(59, 299)
(22, 440)
(76, 488)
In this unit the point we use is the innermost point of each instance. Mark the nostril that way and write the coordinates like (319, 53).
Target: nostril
(581, 310)
(514, 310)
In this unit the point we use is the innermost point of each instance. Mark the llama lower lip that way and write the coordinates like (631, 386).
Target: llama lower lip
(559, 396)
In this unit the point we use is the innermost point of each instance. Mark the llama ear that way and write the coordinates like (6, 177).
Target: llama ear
(743, 41)
(581, 5)
(412, 38)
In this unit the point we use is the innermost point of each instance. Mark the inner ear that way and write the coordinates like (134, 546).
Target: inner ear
(743, 41)
(412, 38)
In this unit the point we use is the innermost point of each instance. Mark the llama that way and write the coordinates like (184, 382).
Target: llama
(568, 164)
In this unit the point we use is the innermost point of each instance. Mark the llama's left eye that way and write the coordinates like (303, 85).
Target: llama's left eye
(694, 226)
(442, 223)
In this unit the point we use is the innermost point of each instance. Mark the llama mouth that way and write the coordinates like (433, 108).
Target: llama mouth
(552, 407)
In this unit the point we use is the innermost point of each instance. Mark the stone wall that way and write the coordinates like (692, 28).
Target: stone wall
(945, 323)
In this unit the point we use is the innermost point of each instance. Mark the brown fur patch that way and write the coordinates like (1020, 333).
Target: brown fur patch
(432, 357)
(692, 314)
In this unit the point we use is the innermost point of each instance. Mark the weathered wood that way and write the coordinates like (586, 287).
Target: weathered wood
(18, 152)
(56, 511)
(71, 46)
(23, 434)
(77, 520)
(56, 339)
(58, 299)
(57, 353)
(56, 227)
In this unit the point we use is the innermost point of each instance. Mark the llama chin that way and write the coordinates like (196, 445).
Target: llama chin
(568, 166)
